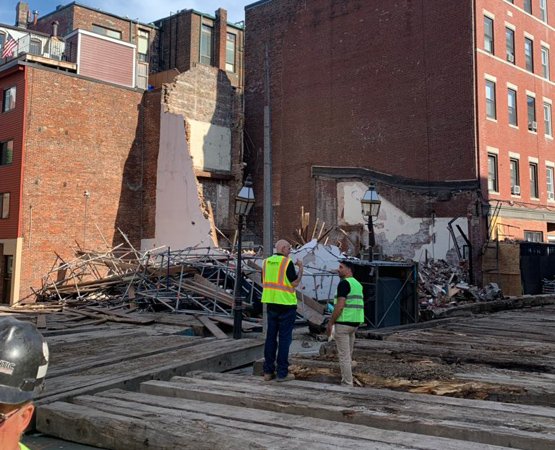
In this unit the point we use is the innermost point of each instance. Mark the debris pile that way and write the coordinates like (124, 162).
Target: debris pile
(441, 284)
(194, 279)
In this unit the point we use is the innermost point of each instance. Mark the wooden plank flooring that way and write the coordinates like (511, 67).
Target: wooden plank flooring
(492, 379)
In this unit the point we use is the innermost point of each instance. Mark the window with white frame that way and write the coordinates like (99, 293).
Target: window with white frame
(206, 44)
(515, 176)
(511, 102)
(4, 205)
(529, 54)
(549, 181)
(510, 40)
(547, 119)
(533, 236)
(8, 99)
(488, 34)
(493, 182)
(142, 45)
(534, 180)
(230, 47)
(543, 10)
(491, 110)
(545, 62)
(531, 107)
(108, 32)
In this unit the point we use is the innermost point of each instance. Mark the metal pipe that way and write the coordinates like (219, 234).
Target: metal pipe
(238, 304)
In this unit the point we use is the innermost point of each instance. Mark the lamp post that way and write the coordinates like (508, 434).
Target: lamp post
(371, 203)
(243, 204)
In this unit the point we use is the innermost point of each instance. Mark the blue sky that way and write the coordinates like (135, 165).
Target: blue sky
(144, 10)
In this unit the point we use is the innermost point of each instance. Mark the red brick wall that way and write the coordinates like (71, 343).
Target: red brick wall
(499, 134)
(11, 128)
(81, 136)
(360, 84)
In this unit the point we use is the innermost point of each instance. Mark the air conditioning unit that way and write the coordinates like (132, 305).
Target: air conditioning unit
(515, 190)
(511, 58)
(551, 195)
(533, 126)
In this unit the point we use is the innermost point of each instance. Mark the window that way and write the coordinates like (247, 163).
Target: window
(531, 106)
(529, 54)
(550, 185)
(488, 34)
(230, 52)
(35, 47)
(492, 173)
(534, 180)
(206, 45)
(543, 10)
(545, 62)
(4, 205)
(8, 99)
(106, 31)
(528, 6)
(2, 40)
(510, 38)
(533, 236)
(490, 100)
(6, 153)
(515, 177)
(547, 119)
(511, 101)
(142, 45)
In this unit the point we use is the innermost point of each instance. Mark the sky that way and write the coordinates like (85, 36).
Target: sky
(145, 10)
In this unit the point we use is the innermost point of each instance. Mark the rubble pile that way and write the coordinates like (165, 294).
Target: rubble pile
(441, 284)
(200, 280)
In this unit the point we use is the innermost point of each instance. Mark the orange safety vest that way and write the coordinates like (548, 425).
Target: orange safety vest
(277, 287)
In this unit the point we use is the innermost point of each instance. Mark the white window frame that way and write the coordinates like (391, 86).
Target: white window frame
(545, 62)
(548, 118)
(543, 10)
(550, 182)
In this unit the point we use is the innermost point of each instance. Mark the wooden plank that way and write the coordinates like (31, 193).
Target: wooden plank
(212, 327)
(41, 321)
(214, 356)
(473, 420)
(260, 428)
(112, 317)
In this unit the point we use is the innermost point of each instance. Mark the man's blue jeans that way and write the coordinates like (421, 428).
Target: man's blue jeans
(279, 335)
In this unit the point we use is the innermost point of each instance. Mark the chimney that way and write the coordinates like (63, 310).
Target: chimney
(55, 28)
(220, 38)
(22, 14)
(35, 17)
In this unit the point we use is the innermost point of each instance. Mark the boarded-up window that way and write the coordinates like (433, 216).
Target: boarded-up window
(142, 45)
(4, 205)
(206, 37)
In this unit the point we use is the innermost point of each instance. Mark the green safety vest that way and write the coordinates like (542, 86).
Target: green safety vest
(277, 287)
(354, 304)
(23, 447)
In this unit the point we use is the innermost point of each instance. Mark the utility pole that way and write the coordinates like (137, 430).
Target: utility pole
(268, 209)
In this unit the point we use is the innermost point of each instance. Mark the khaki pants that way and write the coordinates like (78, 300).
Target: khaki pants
(345, 341)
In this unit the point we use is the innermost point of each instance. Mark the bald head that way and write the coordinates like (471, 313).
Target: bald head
(283, 247)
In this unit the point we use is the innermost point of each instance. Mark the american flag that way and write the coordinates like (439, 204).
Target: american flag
(9, 47)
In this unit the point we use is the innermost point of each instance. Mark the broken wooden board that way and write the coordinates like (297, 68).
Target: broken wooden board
(520, 426)
(117, 419)
(212, 327)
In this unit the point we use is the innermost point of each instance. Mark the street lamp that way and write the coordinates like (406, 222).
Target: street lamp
(243, 204)
(370, 208)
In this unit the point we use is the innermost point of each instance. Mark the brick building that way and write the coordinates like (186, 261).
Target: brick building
(85, 151)
(189, 37)
(437, 103)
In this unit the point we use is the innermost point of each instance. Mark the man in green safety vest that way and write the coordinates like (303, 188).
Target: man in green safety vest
(23, 365)
(279, 280)
(348, 314)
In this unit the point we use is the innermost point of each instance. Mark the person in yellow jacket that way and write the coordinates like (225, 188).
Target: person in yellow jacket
(23, 365)
(279, 280)
(347, 316)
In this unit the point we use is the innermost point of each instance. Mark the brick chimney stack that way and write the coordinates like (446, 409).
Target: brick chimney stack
(22, 14)
(220, 40)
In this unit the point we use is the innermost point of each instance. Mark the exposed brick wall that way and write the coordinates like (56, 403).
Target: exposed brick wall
(205, 94)
(81, 136)
(360, 84)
